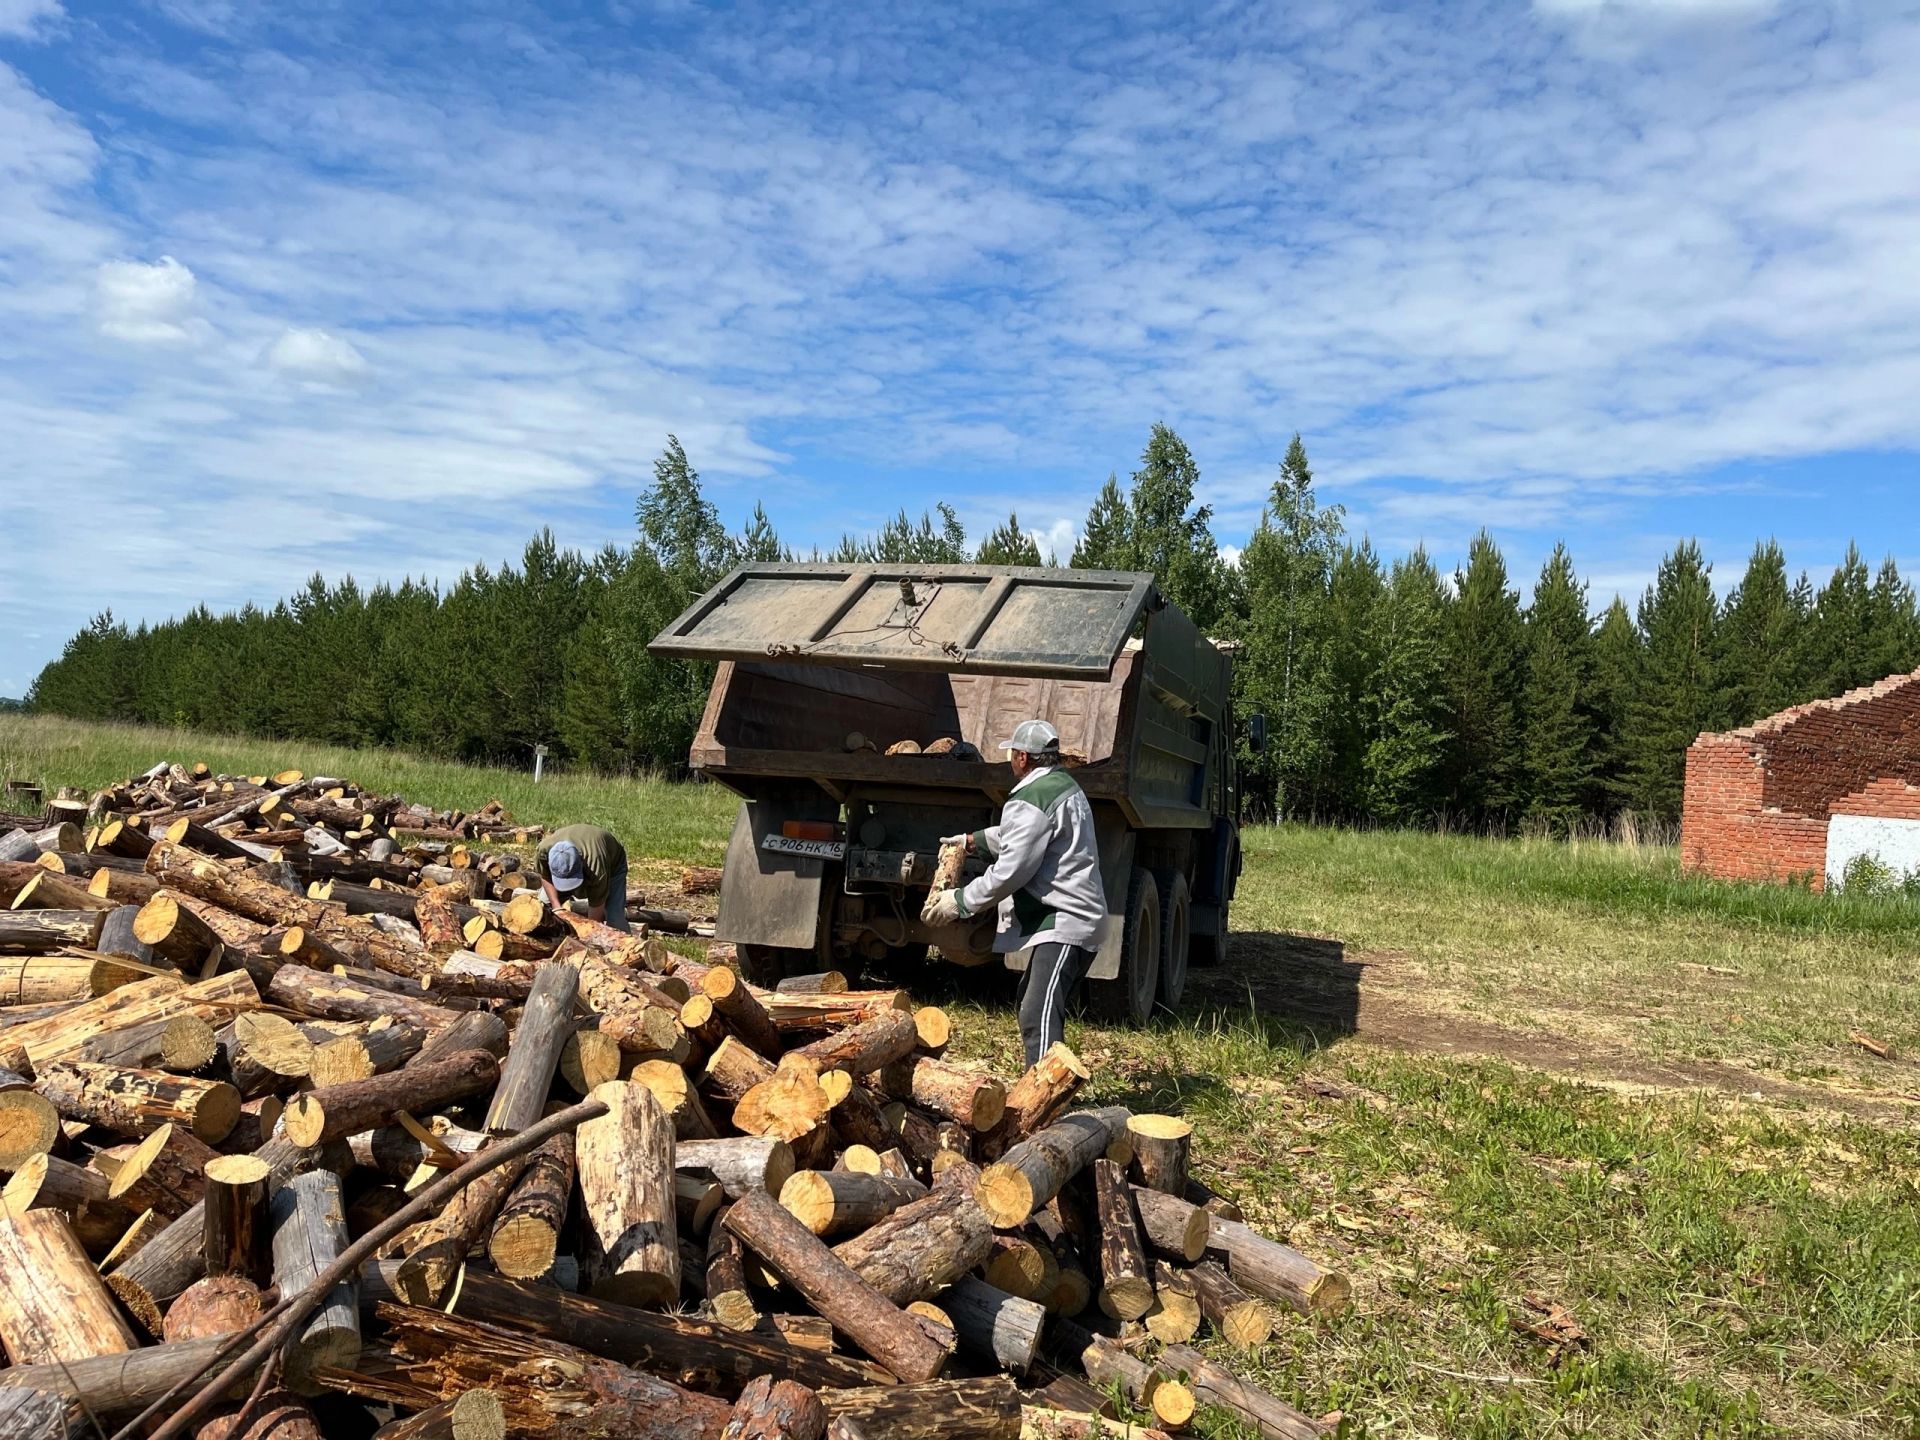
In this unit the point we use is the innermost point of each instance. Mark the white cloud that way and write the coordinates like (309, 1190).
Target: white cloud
(317, 357)
(145, 304)
(28, 19)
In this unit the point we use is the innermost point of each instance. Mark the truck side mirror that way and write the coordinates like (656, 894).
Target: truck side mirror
(1257, 734)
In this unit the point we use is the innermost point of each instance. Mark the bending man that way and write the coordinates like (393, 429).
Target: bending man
(1044, 876)
(587, 861)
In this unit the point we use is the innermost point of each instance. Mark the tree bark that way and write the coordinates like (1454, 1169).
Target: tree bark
(214, 1305)
(1032, 1172)
(58, 1037)
(437, 1249)
(476, 1415)
(1214, 1384)
(1242, 1321)
(964, 1096)
(527, 1077)
(994, 1325)
(340, 1110)
(526, 1236)
(1174, 1317)
(770, 1409)
(234, 1215)
(36, 1415)
(309, 1231)
(625, 1161)
(892, 1337)
(234, 891)
(342, 997)
(1277, 1272)
(726, 1285)
(58, 979)
(983, 1409)
(1126, 1279)
(277, 1415)
(923, 1246)
(742, 1164)
(138, 1102)
(53, 1306)
(165, 1174)
(733, 1069)
(693, 1351)
(1037, 1097)
(834, 1202)
(376, 1050)
(476, 1030)
(117, 936)
(1160, 1152)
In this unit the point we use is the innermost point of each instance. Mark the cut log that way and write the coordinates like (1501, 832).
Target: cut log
(344, 997)
(923, 1246)
(48, 1182)
(834, 1202)
(437, 1249)
(1160, 1149)
(869, 1046)
(166, 1173)
(1242, 1321)
(36, 1415)
(475, 1415)
(376, 1050)
(770, 1409)
(175, 933)
(234, 1215)
(309, 1221)
(29, 1126)
(589, 1059)
(1022, 1265)
(178, 1042)
(825, 982)
(742, 1010)
(117, 936)
(1214, 1384)
(236, 891)
(527, 1077)
(1032, 1172)
(742, 1163)
(1111, 1365)
(53, 1306)
(1174, 1317)
(138, 1102)
(1277, 1272)
(1126, 1278)
(118, 1385)
(62, 979)
(58, 1037)
(1171, 1226)
(984, 1409)
(701, 879)
(791, 1105)
(49, 890)
(341, 1110)
(728, 1298)
(993, 1325)
(677, 1098)
(698, 1351)
(436, 911)
(39, 932)
(1037, 1097)
(858, 1120)
(733, 1069)
(276, 1415)
(215, 1305)
(476, 1030)
(894, 1338)
(964, 1096)
(129, 889)
(625, 1162)
(258, 1117)
(526, 1236)
(265, 1053)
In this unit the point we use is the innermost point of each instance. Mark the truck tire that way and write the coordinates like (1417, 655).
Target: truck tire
(767, 965)
(1175, 936)
(1130, 995)
(1212, 949)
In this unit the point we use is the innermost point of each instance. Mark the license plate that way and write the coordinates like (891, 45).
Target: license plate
(814, 849)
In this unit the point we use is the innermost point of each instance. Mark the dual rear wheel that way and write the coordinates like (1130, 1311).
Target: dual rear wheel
(1153, 950)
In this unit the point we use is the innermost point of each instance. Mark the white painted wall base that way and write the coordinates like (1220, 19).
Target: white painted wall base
(1895, 843)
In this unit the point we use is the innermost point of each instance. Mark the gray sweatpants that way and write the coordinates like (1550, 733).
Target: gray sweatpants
(1052, 972)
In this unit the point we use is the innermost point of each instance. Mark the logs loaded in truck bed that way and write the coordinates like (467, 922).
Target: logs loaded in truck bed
(301, 1117)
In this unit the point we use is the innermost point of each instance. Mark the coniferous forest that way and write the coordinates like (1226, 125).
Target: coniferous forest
(1394, 693)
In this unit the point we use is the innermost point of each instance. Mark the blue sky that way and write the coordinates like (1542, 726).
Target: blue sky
(381, 289)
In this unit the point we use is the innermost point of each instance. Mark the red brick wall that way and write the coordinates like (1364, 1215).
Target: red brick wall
(1757, 798)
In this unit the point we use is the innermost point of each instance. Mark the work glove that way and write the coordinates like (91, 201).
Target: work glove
(965, 837)
(944, 907)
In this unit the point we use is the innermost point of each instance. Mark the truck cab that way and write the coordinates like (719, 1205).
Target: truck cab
(859, 712)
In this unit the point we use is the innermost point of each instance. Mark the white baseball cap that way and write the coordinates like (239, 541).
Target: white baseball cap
(1033, 737)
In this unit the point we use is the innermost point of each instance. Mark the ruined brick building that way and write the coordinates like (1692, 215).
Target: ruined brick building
(1797, 795)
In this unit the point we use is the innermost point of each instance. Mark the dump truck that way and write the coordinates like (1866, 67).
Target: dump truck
(859, 710)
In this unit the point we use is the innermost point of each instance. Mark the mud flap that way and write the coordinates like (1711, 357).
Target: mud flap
(766, 898)
(1116, 866)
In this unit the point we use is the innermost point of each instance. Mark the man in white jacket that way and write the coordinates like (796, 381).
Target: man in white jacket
(1044, 875)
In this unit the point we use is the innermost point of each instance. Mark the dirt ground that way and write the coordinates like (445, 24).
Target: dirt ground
(1335, 992)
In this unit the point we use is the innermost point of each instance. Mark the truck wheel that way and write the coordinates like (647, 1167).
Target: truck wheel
(1130, 995)
(1174, 935)
(767, 965)
(1212, 949)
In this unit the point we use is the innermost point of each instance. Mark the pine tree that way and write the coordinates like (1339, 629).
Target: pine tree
(1617, 658)
(681, 526)
(758, 544)
(1676, 697)
(1287, 570)
(1762, 640)
(1893, 628)
(1356, 591)
(1406, 755)
(1171, 535)
(1838, 636)
(1557, 749)
(1106, 541)
(1009, 545)
(1485, 643)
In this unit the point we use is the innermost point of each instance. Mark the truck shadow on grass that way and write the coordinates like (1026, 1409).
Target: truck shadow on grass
(1303, 990)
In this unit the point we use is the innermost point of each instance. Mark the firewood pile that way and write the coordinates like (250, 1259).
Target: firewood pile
(472, 1166)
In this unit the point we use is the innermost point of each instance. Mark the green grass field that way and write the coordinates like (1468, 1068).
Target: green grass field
(1472, 1073)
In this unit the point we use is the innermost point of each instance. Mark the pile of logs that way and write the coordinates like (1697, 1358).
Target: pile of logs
(466, 1165)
